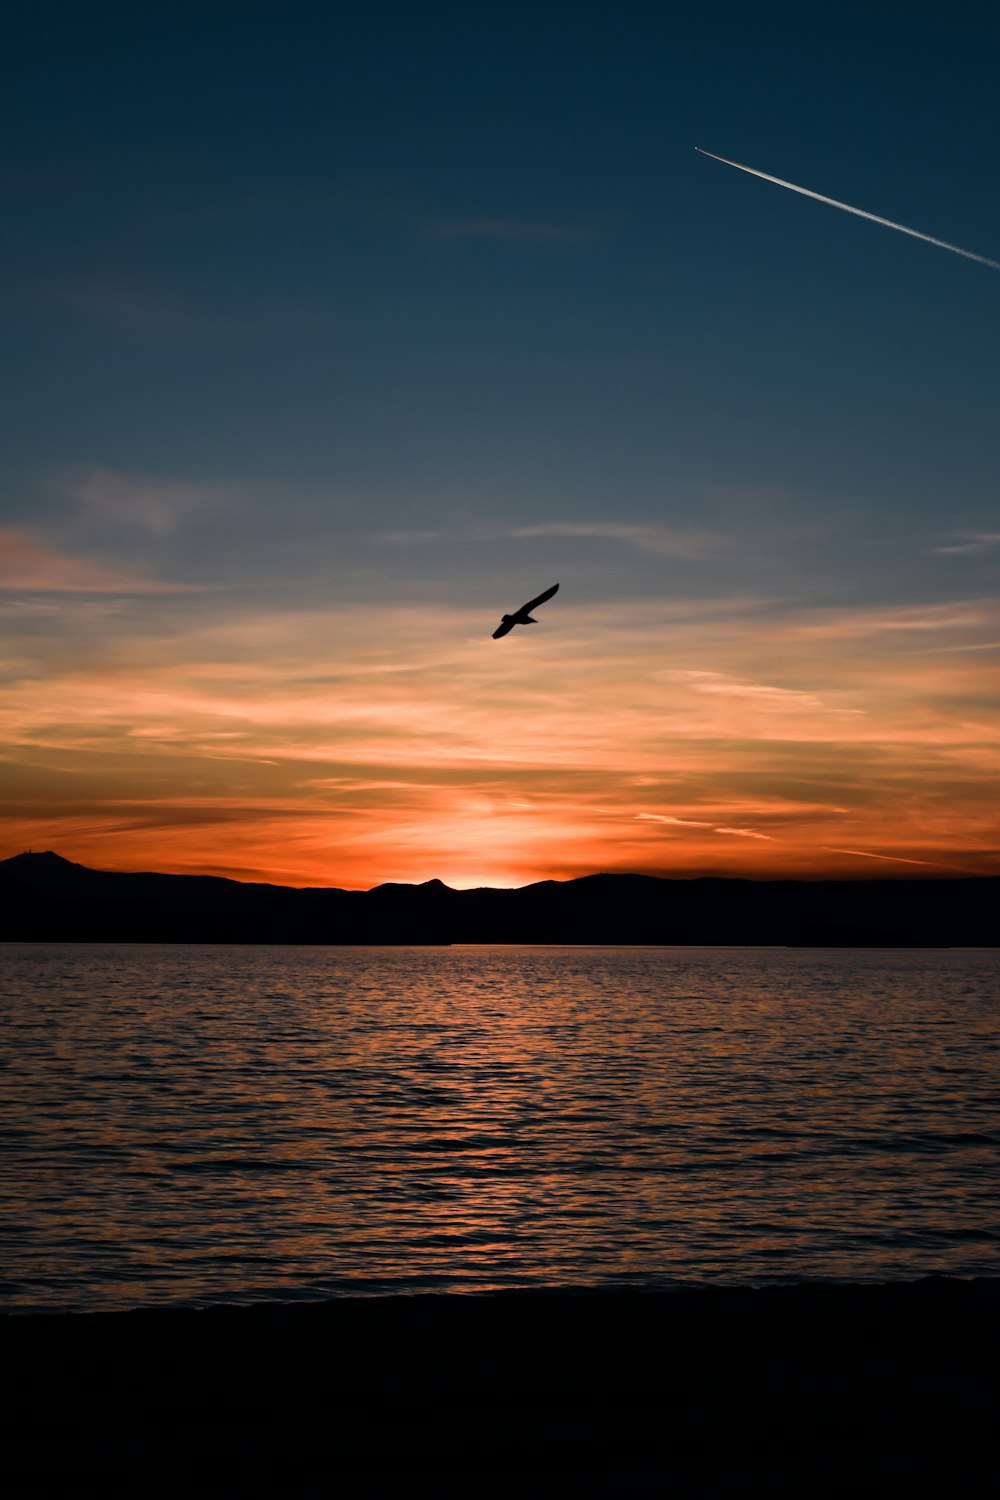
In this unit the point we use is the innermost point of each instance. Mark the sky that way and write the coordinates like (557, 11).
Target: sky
(332, 332)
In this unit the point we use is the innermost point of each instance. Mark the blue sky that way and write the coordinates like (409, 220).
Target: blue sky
(344, 306)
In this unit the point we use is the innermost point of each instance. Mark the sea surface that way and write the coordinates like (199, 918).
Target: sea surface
(196, 1124)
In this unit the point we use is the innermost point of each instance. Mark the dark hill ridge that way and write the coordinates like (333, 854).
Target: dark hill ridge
(45, 897)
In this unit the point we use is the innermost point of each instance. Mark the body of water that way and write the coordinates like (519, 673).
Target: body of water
(203, 1124)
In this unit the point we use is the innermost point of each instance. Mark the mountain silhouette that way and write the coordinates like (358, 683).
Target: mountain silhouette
(46, 897)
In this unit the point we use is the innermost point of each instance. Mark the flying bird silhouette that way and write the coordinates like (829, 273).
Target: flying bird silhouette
(523, 615)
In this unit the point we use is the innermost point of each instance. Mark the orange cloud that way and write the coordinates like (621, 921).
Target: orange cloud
(28, 565)
(353, 746)
(745, 833)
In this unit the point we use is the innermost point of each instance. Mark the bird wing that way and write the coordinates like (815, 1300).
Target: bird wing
(503, 629)
(533, 603)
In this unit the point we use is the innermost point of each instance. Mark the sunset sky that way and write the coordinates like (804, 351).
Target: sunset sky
(333, 332)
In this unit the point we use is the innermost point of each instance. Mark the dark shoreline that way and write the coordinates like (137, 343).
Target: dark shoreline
(44, 898)
(803, 1389)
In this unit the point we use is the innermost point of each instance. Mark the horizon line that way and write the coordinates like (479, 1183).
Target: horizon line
(830, 879)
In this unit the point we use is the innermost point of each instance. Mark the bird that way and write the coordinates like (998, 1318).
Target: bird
(522, 616)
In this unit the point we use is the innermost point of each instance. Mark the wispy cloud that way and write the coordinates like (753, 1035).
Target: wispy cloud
(926, 620)
(29, 565)
(962, 646)
(746, 833)
(647, 817)
(972, 542)
(154, 504)
(381, 741)
(743, 833)
(895, 859)
(659, 541)
(665, 541)
(762, 692)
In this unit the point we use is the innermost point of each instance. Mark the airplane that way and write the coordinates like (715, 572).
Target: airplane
(523, 615)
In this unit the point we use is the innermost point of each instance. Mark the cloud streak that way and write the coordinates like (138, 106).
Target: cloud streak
(895, 859)
(646, 817)
(662, 541)
(746, 833)
(29, 566)
(860, 213)
(157, 506)
(352, 744)
(971, 544)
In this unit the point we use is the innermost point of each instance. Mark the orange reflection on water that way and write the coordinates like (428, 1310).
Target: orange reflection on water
(212, 1122)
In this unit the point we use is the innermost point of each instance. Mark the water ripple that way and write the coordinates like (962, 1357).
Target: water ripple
(197, 1124)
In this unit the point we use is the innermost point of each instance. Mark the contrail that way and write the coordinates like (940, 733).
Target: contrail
(861, 213)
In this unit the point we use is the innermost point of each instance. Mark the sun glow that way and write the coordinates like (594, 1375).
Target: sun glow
(692, 741)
